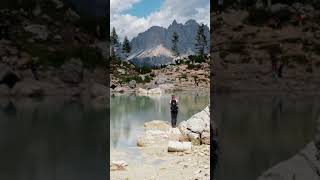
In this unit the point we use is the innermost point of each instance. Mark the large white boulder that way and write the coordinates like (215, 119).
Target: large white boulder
(157, 125)
(153, 138)
(158, 133)
(155, 91)
(197, 128)
(150, 91)
(142, 91)
(176, 146)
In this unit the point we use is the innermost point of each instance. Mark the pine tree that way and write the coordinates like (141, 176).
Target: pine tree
(201, 40)
(114, 41)
(174, 48)
(126, 48)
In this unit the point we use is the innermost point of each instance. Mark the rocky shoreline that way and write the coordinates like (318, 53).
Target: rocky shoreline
(183, 151)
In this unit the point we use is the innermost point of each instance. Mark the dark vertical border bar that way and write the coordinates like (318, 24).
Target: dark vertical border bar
(108, 99)
(213, 126)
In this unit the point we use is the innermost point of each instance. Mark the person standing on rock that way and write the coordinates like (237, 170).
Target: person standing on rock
(174, 110)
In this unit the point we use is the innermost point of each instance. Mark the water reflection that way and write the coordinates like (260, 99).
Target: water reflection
(46, 139)
(258, 131)
(129, 113)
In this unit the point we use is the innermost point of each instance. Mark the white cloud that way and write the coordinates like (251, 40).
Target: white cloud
(118, 6)
(181, 10)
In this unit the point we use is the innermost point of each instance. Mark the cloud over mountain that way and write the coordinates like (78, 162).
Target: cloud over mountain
(181, 10)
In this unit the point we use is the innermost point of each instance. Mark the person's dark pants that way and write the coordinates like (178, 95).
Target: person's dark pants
(174, 115)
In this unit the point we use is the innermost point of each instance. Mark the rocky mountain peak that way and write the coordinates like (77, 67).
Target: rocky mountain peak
(174, 23)
(191, 22)
(155, 37)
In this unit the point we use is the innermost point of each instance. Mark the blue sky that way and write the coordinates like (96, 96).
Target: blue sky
(130, 17)
(145, 7)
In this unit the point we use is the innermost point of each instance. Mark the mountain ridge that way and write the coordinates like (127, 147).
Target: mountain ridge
(157, 36)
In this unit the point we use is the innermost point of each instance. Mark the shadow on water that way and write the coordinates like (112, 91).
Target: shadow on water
(42, 139)
(256, 132)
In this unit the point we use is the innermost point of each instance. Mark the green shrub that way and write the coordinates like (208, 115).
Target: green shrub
(143, 69)
(137, 78)
(197, 58)
(147, 79)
